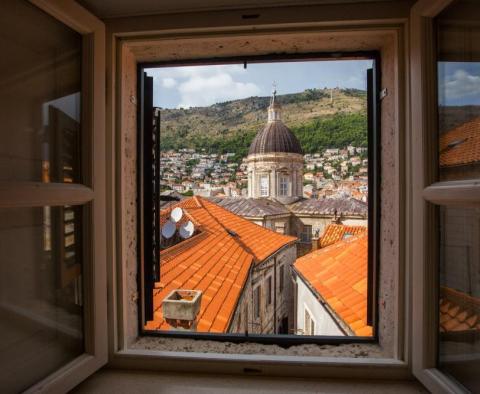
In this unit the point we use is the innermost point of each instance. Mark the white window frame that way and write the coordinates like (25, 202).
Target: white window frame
(426, 193)
(264, 187)
(91, 195)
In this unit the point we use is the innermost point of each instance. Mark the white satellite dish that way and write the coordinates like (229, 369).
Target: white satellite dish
(187, 230)
(176, 214)
(168, 229)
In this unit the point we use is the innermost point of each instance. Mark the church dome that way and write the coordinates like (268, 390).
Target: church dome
(275, 137)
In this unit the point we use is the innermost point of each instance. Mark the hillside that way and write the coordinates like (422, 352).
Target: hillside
(316, 120)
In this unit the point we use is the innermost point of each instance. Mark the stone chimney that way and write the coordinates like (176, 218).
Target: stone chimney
(180, 309)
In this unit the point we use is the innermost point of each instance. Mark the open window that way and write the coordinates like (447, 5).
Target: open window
(223, 165)
(52, 196)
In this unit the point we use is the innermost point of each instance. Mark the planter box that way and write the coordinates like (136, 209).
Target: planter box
(182, 305)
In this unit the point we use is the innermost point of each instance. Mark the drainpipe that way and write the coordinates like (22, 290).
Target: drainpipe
(275, 294)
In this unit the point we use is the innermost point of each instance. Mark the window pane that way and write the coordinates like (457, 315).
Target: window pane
(459, 91)
(41, 324)
(40, 81)
(459, 349)
(458, 55)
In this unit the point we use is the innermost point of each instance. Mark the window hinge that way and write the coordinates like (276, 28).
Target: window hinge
(383, 93)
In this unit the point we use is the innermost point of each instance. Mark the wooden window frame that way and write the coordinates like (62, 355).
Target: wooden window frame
(90, 194)
(426, 195)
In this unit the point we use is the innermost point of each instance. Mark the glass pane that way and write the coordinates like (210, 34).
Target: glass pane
(459, 91)
(459, 346)
(40, 82)
(41, 306)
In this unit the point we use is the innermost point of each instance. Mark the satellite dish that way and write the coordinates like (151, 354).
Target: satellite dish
(176, 214)
(187, 230)
(168, 229)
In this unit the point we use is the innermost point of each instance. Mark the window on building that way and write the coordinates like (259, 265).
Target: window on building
(264, 186)
(257, 301)
(269, 290)
(458, 73)
(306, 234)
(308, 323)
(283, 185)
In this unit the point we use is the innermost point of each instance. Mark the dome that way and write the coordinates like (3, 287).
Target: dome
(275, 138)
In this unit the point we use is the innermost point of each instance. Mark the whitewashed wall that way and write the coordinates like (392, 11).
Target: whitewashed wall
(324, 324)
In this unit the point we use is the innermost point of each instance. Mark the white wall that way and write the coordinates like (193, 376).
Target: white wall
(324, 324)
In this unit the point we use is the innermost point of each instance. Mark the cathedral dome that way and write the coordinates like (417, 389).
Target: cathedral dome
(275, 138)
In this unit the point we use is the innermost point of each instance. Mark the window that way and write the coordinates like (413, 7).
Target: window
(269, 290)
(308, 323)
(283, 185)
(306, 234)
(229, 177)
(458, 67)
(52, 283)
(446, 302)
(264, 187)
(257, 301)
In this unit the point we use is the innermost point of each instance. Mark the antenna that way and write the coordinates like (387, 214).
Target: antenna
(176, 214)
(168, 229)
(187, 230)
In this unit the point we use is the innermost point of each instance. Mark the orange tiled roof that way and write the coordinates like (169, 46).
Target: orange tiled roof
(212, 261)
(461, 145)
(336, 232)
(338, 273)
(458, 311)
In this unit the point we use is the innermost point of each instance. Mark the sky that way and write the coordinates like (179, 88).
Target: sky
(459, 83)
(198, 86)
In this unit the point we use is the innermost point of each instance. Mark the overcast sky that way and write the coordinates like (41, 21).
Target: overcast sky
(196, 86)
(459, 83)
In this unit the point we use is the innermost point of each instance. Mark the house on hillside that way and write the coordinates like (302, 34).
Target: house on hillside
(241, 269)
(331, 285)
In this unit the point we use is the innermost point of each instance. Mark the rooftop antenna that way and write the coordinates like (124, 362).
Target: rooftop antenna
(168, 229)
(176, 214)
(186, 230)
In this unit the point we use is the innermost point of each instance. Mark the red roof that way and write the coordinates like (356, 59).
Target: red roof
(459, 312)
(336, 232)
(216, 261)
(338, 273)
(461, 145)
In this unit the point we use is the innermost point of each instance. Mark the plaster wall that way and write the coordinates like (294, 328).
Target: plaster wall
(324, 323)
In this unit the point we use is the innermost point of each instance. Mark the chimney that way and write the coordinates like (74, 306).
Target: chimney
(315, 243)
(180, 309)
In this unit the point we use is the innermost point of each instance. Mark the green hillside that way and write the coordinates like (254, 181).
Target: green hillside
(318, 121)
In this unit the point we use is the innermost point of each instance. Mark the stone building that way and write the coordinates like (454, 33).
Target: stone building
(275, 188)
(275, 161)
(242, 271)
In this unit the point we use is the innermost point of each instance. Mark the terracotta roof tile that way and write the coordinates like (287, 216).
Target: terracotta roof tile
(336, 232)
(461, 145)
(338, 273)
(213, 261)
(458, 311)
